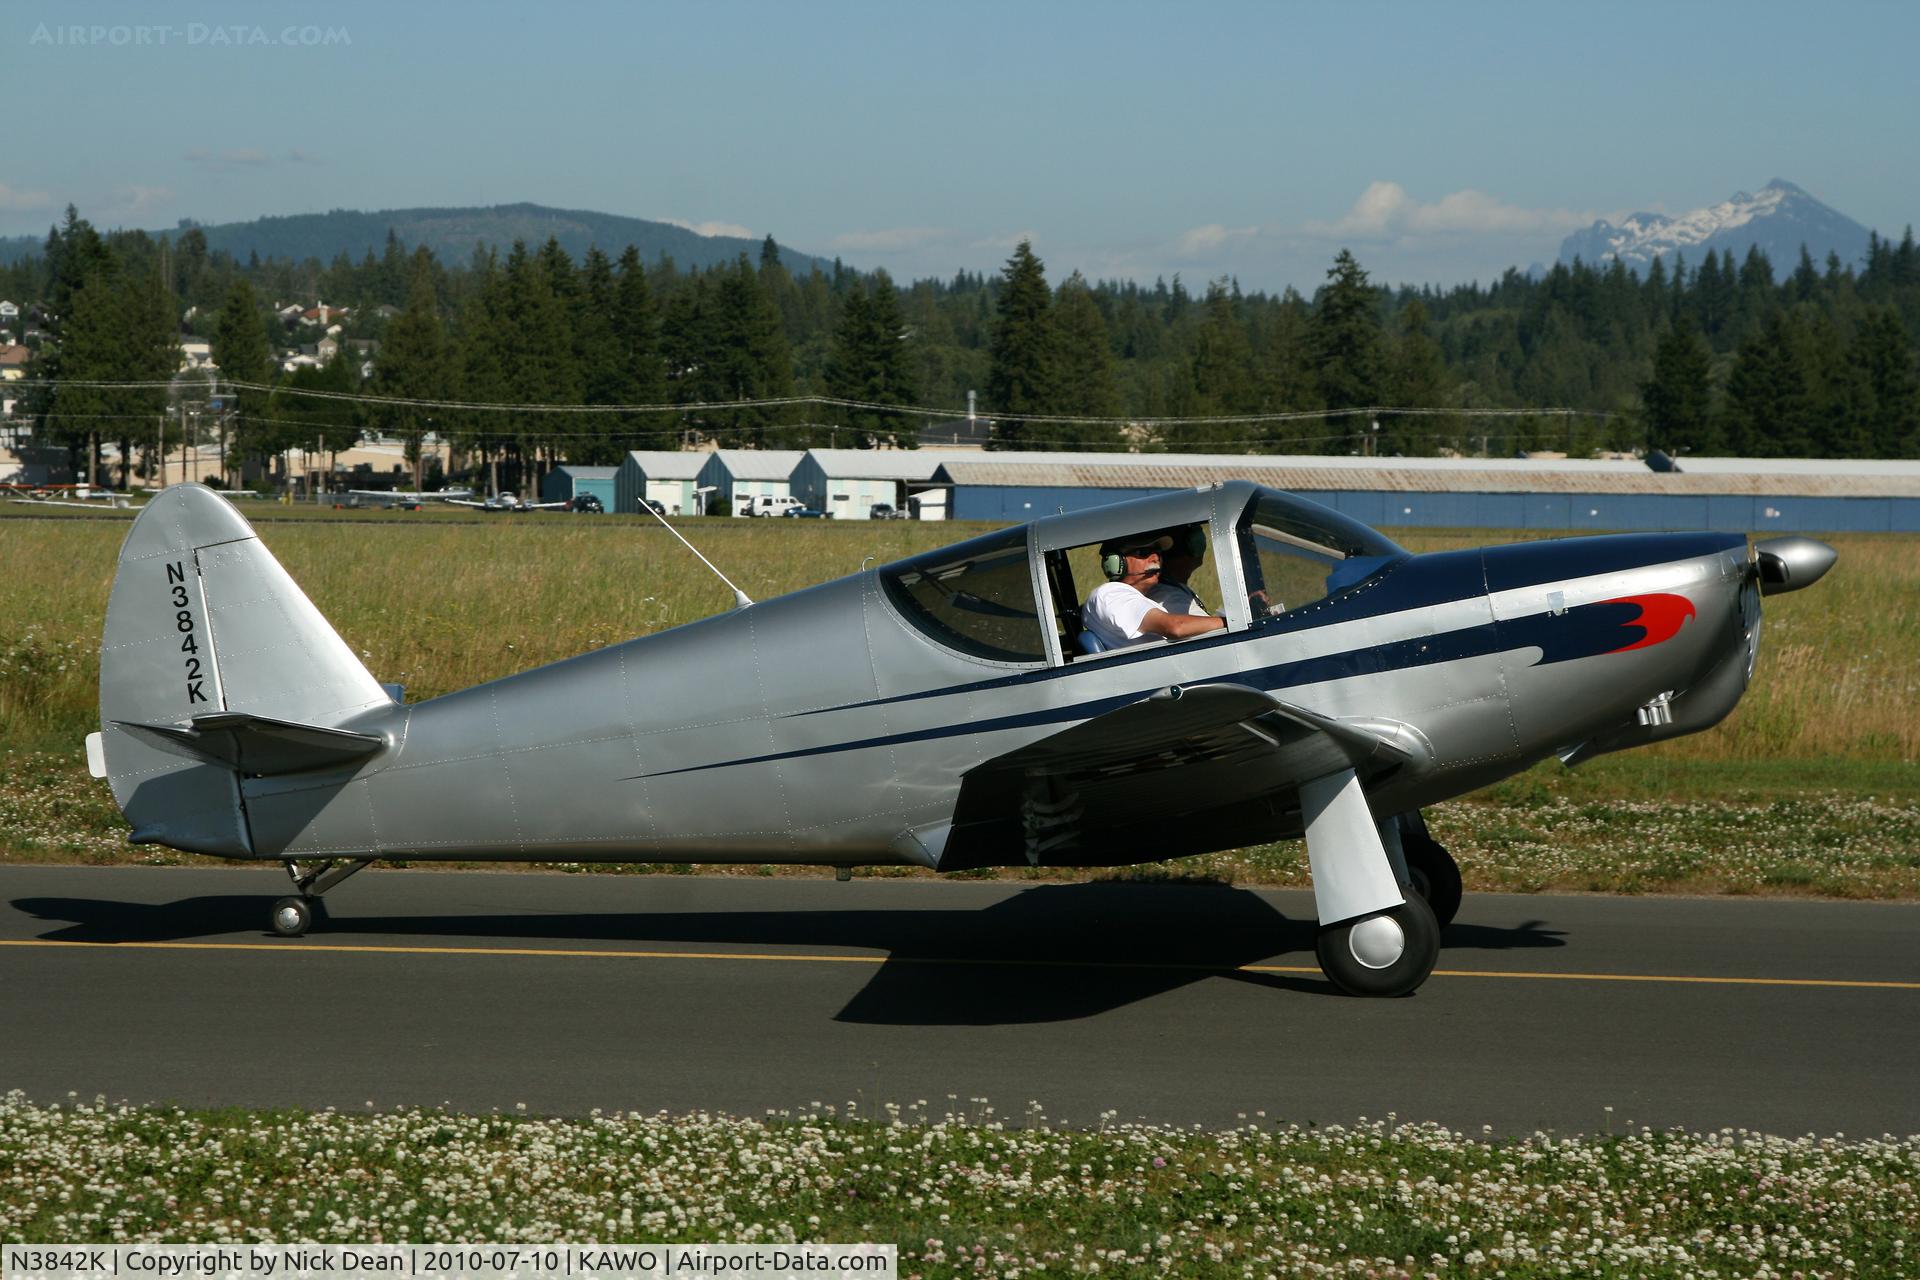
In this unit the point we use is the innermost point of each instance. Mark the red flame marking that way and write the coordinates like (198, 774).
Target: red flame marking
(1661, 614)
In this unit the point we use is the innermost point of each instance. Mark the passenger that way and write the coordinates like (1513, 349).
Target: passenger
(1186, 552)
(1119, 614)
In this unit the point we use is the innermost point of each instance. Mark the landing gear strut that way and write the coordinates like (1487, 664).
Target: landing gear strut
(292, 917)
(1434, 873)
(1376, 938)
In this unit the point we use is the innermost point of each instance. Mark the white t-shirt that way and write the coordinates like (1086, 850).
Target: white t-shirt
(1114, 612)
(1175, 598)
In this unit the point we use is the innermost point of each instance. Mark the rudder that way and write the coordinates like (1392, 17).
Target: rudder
(204, 622)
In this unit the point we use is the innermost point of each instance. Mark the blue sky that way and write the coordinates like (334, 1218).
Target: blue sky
(1440, 142)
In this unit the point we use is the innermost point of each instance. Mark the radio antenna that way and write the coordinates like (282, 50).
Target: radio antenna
(740, 598)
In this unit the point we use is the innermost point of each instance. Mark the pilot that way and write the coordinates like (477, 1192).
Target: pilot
(1186, 552)
(1120, 614)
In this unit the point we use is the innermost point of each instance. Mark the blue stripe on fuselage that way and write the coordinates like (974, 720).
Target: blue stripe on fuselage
(1411, 582)
(1578, 633)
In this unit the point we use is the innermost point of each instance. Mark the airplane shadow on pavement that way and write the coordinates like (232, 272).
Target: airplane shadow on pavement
(1046, 953)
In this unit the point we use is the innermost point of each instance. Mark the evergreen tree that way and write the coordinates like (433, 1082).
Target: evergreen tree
(1283, 370)
(636, 329)
(1222, 364)
(1770, 398)
(1882, 358)
(1677, 400)
(239, 347)
(415, 364)
(605, 376)
(747, 357)
(870, 361)
(1346, 343)
(1021, 373)
(1418, 381)
(1084, 381)
(153, 356)
(321, 424)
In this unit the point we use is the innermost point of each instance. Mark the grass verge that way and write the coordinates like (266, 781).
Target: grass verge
(973, 1194)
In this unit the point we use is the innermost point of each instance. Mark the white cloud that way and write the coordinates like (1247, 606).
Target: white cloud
(711, 228)
(231, 158)
(1007, 242)
(135, 201)
(890, 239)
(12, 201)
(1386, 211)
(1211, 237)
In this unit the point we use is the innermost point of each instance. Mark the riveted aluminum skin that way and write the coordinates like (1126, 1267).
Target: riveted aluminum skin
(824, 727)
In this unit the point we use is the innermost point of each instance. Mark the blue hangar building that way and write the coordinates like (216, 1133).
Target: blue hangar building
(1765, 495)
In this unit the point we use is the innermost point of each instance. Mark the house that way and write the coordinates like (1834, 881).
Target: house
(13, 363)
(666, 476)
(9, 313)
(289, 312)
(195, 354)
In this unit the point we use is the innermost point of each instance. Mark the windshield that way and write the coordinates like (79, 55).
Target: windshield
(1297, 552)
(976, 597)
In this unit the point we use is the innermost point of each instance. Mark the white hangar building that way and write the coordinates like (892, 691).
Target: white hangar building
(743, 474)
(846, 483)
(666, 476)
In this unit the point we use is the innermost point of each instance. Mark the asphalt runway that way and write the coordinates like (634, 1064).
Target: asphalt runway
(1165, 1002)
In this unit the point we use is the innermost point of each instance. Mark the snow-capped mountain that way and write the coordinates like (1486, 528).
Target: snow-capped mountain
(1779, 218)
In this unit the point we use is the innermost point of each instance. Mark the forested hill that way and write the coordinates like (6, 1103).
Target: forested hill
(1711, 357)
(452, 234)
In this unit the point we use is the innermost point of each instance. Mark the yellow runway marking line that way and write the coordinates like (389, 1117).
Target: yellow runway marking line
(294, 947)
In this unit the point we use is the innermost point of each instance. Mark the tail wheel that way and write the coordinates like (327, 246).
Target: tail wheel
(1436, 877)
(1389, 953)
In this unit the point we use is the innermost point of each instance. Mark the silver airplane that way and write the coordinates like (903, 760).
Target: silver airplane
(404, 499)
(507, 501)
(945, 711)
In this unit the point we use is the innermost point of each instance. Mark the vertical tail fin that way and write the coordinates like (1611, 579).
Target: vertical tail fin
(204, 622)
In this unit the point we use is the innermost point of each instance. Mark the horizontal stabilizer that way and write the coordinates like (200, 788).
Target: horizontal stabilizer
(255, 745)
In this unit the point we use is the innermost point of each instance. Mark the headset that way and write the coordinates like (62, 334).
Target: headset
(1192, 540)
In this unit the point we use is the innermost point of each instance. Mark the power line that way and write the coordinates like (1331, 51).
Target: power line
(781, 402)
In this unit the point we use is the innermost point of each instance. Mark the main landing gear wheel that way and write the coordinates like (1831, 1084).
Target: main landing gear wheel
(1389, 953)
(293, 916)
(1435, 875)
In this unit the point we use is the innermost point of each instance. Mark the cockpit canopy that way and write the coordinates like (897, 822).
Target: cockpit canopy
(1294, 552)
(1266, 553)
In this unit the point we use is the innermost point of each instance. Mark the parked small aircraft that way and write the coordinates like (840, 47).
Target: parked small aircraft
(507, 501)
(943, 711)
(405, 499)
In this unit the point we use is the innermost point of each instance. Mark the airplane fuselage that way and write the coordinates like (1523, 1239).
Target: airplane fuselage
(704, 744)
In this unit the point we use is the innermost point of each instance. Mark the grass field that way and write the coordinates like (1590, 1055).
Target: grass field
(1810, 787)
(971, 1193)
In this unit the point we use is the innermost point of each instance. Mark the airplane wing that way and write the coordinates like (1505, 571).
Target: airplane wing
(1169, 775)
(543, 506)
(462, 502)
